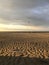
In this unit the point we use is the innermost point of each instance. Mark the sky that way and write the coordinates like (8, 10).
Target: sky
(24, 15)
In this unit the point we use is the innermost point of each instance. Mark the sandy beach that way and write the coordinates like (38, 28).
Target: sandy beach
(24, 48)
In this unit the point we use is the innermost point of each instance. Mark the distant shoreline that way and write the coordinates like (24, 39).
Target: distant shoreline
(24, 31)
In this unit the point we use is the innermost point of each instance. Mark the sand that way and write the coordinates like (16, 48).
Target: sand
(24, 48)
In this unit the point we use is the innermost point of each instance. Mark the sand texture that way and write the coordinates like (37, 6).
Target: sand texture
(24, 48)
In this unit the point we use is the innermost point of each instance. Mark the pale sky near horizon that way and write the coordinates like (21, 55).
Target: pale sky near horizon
(24, 15)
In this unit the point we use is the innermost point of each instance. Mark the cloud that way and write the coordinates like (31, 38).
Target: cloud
(25, 12)
(9, 27)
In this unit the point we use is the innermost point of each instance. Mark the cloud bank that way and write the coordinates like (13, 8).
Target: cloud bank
(30, 14)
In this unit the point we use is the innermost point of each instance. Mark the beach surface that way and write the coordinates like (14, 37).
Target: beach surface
(24, 48)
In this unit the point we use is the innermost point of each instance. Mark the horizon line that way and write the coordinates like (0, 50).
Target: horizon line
(25, 31)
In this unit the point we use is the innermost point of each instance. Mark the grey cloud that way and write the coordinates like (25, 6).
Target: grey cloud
(25, 12)
(28, 3)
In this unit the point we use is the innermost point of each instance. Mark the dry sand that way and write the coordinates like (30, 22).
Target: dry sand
(24, 48)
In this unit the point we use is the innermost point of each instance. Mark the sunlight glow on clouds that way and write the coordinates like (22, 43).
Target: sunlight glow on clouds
(16, 27)
(6, 27)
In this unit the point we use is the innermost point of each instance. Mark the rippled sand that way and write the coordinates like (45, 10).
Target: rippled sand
(24, 48)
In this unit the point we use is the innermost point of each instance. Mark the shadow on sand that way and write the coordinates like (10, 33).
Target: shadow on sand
(9, 60)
